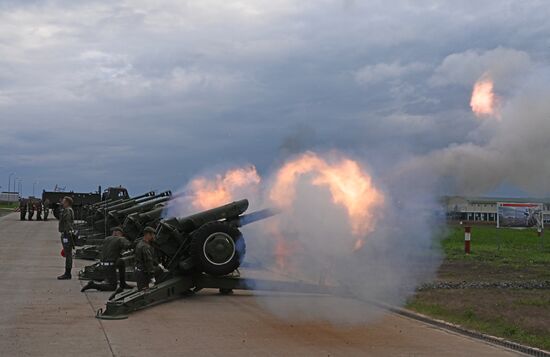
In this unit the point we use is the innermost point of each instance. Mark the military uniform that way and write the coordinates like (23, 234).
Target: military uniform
(46, 209)
(22, 208)
(30, 209)
(145, 264)
(111, 251)
(65, 227)
(39, 210)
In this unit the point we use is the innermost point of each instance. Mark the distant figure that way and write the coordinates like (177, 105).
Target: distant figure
(38, 206)
(65, 227)
(145, 259)
(111, 252)
(22, 208)
(46, 209)
(30, 208)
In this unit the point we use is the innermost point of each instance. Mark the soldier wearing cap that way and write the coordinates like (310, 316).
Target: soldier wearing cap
(30, 208)
(110, 260)
(146, 264)
(38, 207)
(22, 208)
(46, 209)
(65, 227)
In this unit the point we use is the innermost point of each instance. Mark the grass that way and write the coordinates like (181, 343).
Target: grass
(499, 246)
(493, 325)
(496, 255)
(6, 208)
(9, 205)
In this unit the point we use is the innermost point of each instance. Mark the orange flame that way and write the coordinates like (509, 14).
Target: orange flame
(208, 193)
(483, 101)
(350, 186)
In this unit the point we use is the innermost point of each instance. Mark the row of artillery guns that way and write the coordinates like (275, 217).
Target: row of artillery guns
(200, 251)
(132, 214)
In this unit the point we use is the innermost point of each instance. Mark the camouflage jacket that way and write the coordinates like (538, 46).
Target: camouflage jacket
(145, 257)
(66, 220)
(113, 247)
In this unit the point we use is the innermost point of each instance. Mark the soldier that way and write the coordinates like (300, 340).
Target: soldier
(146, 266)
(22, 208)
(38, 205)
(30, 208)
(111, 252)
(46, 209)
(66, 223)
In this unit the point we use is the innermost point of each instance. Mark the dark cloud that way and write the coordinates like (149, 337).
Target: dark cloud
(148, 93)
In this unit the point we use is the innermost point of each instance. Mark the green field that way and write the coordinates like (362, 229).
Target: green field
(497, 255)
(7, 208)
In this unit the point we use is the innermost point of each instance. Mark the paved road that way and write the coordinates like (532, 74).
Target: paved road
(41, 316)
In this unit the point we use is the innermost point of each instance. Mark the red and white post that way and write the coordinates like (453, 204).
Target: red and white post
(467, 238)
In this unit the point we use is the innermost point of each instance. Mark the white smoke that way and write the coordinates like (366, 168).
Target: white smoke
(513, 150)
(397, 256)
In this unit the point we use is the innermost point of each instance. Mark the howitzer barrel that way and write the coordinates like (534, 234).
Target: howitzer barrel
(124, 203)
(135, 223)
(116, 217)
(142, 206)
(228, 211)
(255, 216)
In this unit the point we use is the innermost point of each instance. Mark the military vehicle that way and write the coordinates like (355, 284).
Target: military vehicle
(80, 200)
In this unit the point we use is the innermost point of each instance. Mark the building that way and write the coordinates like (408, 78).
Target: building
(9, 197)
(484, 209)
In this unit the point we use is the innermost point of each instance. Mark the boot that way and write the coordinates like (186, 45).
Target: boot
(122, 279)
(64, 277)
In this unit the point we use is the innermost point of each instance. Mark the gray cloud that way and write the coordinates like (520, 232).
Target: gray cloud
(146, 93)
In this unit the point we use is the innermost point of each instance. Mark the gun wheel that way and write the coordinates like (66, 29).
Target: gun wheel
(217, 248)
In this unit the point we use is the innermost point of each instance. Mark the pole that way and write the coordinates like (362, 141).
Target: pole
(467, 237)
(9, 181)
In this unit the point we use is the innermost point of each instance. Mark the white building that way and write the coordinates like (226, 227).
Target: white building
(9, 197)
(484, 209)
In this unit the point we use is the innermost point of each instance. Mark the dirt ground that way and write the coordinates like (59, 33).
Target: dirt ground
(520, 315)
(472, 271)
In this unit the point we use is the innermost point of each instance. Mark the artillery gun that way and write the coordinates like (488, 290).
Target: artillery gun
(114, 215)
(198, 251)
(98, 212)
(133, 229)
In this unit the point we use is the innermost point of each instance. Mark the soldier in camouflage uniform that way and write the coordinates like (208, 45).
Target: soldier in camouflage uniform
(38, 205)
(30, 208)
(146, 265)
(66, 225)
(46, 209)
(22, 208)
(111, 252)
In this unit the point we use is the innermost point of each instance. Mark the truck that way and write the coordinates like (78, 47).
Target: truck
(52, 199)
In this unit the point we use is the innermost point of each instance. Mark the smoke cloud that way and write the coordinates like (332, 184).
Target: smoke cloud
(397, 252)
(514, 150)
(329, 203)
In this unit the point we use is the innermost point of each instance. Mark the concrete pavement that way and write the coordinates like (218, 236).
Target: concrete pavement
(41, 316)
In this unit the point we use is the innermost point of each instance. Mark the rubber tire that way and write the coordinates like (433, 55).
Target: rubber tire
(198, 239)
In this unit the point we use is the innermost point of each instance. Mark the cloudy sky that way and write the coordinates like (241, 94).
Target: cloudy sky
(148, 93)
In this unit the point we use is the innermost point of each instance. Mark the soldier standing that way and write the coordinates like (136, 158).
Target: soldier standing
(145, 259)
(111, 252)
(22, 208)
(38, 204)
(30, 208)
(66, 223)
(46, 209)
